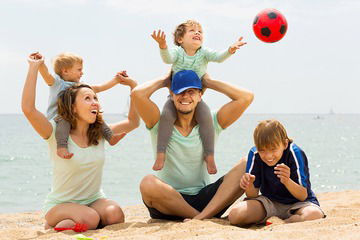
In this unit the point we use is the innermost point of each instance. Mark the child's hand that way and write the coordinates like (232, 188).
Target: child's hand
(160, 38)
(35, 59)
(236, 45)
(124, 79)
(283, 172)
(246, 181)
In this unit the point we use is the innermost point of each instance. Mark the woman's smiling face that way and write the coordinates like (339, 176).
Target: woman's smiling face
(86, 105)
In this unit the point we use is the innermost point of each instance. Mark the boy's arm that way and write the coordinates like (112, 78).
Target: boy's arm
(44, 71)
(214, 56)
(283, 172)
(105, 86)
(247, 183)
(167, 56)
(240, 100)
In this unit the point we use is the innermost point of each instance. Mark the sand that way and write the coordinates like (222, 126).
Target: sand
(342, 222)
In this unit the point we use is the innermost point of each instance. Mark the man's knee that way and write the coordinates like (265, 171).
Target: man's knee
(239, 169)
(148, 185)
(241, 166)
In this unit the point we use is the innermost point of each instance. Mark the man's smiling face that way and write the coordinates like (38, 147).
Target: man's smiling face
(186, 101)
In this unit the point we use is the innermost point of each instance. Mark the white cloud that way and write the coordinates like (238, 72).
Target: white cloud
(47, 2)
(231, 9)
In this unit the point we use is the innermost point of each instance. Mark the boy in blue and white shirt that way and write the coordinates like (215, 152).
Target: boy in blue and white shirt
(279, 169)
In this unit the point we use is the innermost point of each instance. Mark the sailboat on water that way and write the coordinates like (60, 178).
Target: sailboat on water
(125, 112)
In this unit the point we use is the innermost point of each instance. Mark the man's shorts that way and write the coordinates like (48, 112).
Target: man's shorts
(283, 211)
(198, 201)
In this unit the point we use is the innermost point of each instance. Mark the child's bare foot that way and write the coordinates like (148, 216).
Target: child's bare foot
(210, 162)
(63, 153)
(115, 138)
(159, 162)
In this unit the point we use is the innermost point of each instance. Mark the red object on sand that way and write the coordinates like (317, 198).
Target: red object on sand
(78, 227)
(268, 223)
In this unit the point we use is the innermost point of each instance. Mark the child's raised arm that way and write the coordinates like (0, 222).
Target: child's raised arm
(160, 38)
(44, 71)
(109, 84)
(168, 57)
(236, 45)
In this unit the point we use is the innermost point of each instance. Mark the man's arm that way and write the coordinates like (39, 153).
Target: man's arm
(147, 109)
(240, 100)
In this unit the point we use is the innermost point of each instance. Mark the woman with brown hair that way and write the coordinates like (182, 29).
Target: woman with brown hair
(76, 196)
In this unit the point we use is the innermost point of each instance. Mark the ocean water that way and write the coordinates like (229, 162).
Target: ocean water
(331, 142)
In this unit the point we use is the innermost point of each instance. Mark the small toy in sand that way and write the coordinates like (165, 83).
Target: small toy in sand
(78, 227)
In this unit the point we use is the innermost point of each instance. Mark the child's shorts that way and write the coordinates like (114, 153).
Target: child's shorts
(283, 211)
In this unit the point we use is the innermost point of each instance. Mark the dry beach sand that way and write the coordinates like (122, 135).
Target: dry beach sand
(342, 222)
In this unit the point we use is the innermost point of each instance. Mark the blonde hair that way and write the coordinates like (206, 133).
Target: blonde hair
(65, 61)
(181, 29)
(270, 133)
(65, 102)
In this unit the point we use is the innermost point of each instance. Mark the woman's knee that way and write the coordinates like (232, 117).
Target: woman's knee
(90, 217)
(113, 214)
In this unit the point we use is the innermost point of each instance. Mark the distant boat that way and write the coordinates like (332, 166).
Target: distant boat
(318, 117)
(331, 111)
(125, 112)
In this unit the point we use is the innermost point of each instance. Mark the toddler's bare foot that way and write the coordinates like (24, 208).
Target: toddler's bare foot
(63, 153)
(159, 162)
(210, 162)
(115, 138)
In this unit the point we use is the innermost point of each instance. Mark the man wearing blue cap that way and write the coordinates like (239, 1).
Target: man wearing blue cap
(182, 189)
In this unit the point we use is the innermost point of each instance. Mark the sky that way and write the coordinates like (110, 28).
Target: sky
(315, 68)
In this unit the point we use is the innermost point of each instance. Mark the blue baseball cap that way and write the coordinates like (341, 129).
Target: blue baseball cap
(183, 80)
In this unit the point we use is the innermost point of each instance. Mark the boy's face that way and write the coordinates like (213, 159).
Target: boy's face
(272, 155)
(193, 37)
(74, 73)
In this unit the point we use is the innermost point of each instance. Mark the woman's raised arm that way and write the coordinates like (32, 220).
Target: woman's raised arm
(39, 122)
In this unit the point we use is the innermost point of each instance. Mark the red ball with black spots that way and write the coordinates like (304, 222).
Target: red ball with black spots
(270, 25)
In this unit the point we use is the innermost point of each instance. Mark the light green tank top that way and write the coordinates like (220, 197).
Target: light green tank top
(78, 178)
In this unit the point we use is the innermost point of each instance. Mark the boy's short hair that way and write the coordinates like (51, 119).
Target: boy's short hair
(181, 29)
(269, 134)
(65, 61)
